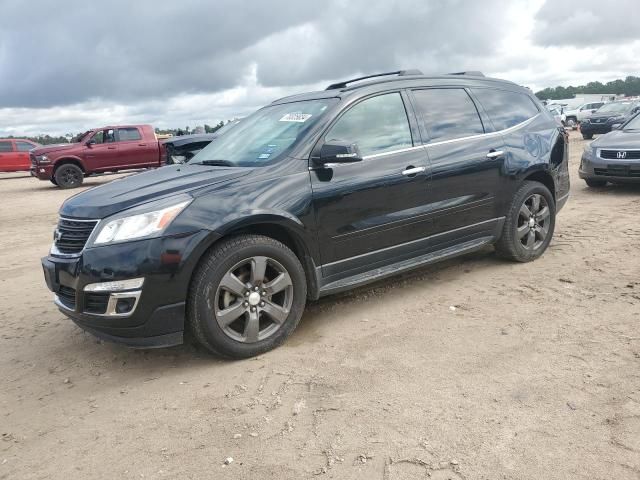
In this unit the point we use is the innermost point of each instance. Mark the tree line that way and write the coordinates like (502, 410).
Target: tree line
(628, 87)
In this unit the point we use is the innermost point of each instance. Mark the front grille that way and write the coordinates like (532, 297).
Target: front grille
(96, 303)
(618, 171)
(67, 297)
(72, 235)
(613, 154)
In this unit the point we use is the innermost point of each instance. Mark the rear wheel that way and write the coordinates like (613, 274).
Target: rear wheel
(68, 175)
(594, 183)
(53, 180)
(529, 225)
(247, 296)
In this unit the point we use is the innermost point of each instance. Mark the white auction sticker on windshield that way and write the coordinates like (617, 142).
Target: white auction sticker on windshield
(296, 117)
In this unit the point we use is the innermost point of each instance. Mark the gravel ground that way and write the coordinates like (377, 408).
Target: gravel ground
(471, 369)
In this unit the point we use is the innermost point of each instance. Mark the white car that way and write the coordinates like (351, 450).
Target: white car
(556, 111)
(582, 112)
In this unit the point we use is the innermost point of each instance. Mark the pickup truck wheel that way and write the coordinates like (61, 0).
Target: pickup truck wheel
(246, 297)
(68, 175)
(529, 225)
(53, 180)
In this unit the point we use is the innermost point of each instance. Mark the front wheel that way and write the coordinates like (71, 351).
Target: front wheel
(529, 224)
(247, 296)
(68, 175)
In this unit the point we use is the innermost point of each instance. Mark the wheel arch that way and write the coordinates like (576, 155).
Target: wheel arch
(288, 231)
(543, 177)
(66, 161)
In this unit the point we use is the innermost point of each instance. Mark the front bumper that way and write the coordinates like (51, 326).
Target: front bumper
(595, 128)
(41, 172)
(616, 171)
(156, 319)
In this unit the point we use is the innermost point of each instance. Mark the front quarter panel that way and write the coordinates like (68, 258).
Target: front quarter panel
(278, 194)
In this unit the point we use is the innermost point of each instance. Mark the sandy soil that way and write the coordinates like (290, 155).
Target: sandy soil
(471, 369)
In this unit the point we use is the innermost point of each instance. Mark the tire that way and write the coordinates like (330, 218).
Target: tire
(594, 183)
(68, 175)
(234, 310)
(53, 180)
(587, 136)
(524, 222)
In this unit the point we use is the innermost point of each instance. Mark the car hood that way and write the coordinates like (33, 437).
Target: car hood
(53, 148)
(618, 139)
(136, 189)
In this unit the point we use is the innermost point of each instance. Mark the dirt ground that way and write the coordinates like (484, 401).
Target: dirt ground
(471, 369)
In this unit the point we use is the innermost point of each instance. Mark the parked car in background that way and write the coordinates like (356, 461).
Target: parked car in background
(14, 154)
(556, 111)
(576, 115)
(311, 195)
(106, 149)
(610, 114)
(182, 149)
(614, 157)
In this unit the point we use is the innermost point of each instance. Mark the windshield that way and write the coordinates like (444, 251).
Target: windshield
(633, 124)
(616, 107)
(264, 136)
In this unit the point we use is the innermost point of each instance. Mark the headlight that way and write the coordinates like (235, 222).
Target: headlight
(587, 147)
(140, 225)
(617, 118)
(42, 159)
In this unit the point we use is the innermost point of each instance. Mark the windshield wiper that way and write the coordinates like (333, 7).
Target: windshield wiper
(215, 163)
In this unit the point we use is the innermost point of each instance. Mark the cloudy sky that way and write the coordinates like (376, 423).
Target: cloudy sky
(66, 66)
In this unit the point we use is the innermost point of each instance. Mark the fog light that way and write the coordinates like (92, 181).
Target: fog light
(125, 305)
(115, 286)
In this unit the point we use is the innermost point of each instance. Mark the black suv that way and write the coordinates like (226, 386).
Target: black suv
(607, 117)
(313, 194)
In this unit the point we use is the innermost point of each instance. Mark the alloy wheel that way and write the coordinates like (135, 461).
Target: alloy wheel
(534, 219)
(253, 299)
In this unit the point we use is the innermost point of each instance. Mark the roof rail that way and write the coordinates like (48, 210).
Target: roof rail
(473, 73)
(400, 73)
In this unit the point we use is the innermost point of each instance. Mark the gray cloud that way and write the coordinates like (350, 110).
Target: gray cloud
(586, 23)
(130, 51)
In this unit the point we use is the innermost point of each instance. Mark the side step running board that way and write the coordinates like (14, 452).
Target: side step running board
(403, 266)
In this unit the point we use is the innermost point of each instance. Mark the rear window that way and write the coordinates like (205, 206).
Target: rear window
(506, 109)
(125, 134)
(5, 147)
(448, 113)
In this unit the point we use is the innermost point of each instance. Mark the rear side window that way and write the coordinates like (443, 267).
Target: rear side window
(506, 109)
(24, 146)
(448, 113)
(126, 134)
(377, 125)
(5, 147)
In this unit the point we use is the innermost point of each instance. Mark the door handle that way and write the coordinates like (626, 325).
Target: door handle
(413, 171)
(142, 144)
(111, 148)
(495, 154)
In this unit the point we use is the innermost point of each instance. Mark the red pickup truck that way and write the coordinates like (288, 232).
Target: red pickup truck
(106, 149)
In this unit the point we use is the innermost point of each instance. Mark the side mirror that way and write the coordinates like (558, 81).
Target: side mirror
(337, 151)
(91, 143)
(593, 111)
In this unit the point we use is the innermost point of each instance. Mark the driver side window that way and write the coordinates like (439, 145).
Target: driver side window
(377, 125)
(105, 136)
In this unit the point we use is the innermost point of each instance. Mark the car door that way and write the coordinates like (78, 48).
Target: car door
(101, 151)
(23, 162)
(466, 164)
(134, 151)
(365, 211)
(7, 156)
